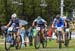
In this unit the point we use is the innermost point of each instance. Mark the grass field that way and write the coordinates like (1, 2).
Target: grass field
(51, 46)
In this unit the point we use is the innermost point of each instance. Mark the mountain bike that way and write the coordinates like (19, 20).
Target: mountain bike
(40, 38)
(67, 37)
(11, 40)
(60, 36)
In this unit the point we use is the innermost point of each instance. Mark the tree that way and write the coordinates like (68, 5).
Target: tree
(31, 9)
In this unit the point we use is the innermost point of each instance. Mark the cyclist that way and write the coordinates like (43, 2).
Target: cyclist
(67, 26)
(15, 23)
(58, 22)
(40, 22)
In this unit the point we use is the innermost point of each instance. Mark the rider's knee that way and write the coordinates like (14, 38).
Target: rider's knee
(55, 30)
(18, 33)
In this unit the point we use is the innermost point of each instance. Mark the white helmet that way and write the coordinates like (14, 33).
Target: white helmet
(39, 17)
(13, 15)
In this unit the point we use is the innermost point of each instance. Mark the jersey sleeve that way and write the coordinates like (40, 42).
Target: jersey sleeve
(43, 20)
(10, 21)
(35, 20)
(54, 20)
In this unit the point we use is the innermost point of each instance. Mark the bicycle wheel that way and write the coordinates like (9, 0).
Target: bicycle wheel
(30, 41)
(37, 42)
(44, 43)
(18, 42)
(70, 35)
(60, 39)
(66, 40)
(7, 42)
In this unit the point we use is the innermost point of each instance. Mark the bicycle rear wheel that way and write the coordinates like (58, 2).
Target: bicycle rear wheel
(44, 43)
(70, 35)
(66, 40)
(18, 42)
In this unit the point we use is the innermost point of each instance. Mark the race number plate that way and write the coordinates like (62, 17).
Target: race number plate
(59, 28)
(10, 28)
(37, 28)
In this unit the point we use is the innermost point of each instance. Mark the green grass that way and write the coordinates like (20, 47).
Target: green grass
(51, 46)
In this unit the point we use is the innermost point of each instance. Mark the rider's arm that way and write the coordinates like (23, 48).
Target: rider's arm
(33, 24)
(65, 23)
(53, 23)
(20, 25)
(45, 24)
(8, 24)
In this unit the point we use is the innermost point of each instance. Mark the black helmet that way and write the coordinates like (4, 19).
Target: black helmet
(57, 16)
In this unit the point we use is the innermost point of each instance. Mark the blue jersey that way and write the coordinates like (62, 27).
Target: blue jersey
(15, 23)
(59, 23)
(40, 22)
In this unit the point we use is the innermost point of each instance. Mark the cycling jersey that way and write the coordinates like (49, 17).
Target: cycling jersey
(67, 24)
(40, 22)
(59, 23)
(14, 23)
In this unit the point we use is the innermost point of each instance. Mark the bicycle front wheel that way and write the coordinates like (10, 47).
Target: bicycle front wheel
(60, 39)
(37, 42)
(7, 42)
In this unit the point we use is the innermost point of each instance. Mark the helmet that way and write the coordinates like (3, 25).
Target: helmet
(13, 15)
(38, 17)
(57, 16)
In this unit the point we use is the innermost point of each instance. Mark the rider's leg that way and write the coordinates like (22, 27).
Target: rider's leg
(43, 32)
(63, 33)
(18, 35)
(22, 32)
(56, 33)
